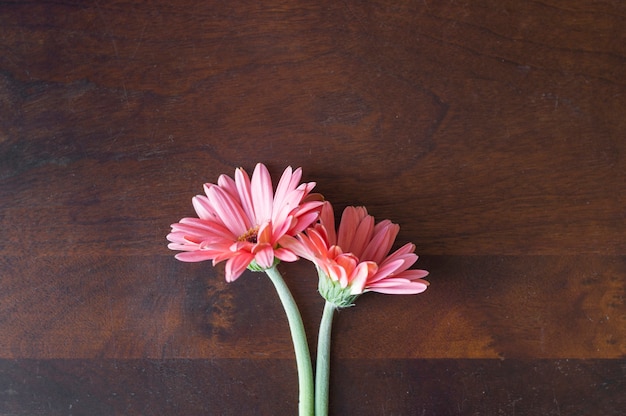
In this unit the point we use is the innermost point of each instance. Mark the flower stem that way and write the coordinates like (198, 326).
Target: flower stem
(322, 369)
(301, 347)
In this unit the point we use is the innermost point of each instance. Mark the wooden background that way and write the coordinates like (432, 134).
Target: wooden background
(493, 132)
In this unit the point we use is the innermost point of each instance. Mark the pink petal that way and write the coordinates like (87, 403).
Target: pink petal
(219, 251)
(308, 206)
(360, 275)
(241, 247)
(262, 193)
(193, 256)
(386, 269)
(228, 184)
(185, 239)
(327, 219)
(322, 231)
(195, 226)
(223, 254)
(296, 246)
(382, 241)
(405, 249)
(338, 273)
(398, 287)
(282, 227)
(395, 268)
(229, 211)
(285, 255)
(175, 245)
(288, 205)
(235, 266)
(310, 197)
(288, 182)
(242, 183)
(176, 237)
(203, 208)
(334, 251)
(391, 282)
(404, 253)
(303, 221)
(362, 236)
(317, 244)
(264, 234)
(264, 255)
(350, 220)
(413, 274)
(347, 262)
(208, 186)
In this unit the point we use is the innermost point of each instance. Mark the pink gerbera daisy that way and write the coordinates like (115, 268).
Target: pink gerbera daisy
(356, 259)
(244, 222)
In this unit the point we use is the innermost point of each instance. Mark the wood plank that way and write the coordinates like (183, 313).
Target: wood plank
(157, 307)
(493, 132)
(513, 149)
(365, 387)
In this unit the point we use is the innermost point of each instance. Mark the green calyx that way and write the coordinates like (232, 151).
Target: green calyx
(333, 292)
(254, 266)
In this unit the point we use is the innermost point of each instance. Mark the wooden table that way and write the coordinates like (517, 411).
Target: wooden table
(493, 132)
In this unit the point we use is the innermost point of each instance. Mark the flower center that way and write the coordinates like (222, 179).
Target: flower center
(250, 235)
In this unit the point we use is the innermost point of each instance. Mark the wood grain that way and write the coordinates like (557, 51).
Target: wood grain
(234, 387)
(493, 132)
(158, 308)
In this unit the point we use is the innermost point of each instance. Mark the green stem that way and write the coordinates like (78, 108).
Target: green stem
(322, 369)
(301, 347)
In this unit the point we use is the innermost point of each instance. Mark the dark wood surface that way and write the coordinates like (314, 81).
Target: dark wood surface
(493, 132)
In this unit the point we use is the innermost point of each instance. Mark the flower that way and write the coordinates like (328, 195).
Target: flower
(244, 222)
(356, 259)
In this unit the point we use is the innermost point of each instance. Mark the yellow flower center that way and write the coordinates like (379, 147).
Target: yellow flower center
(250, 235)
